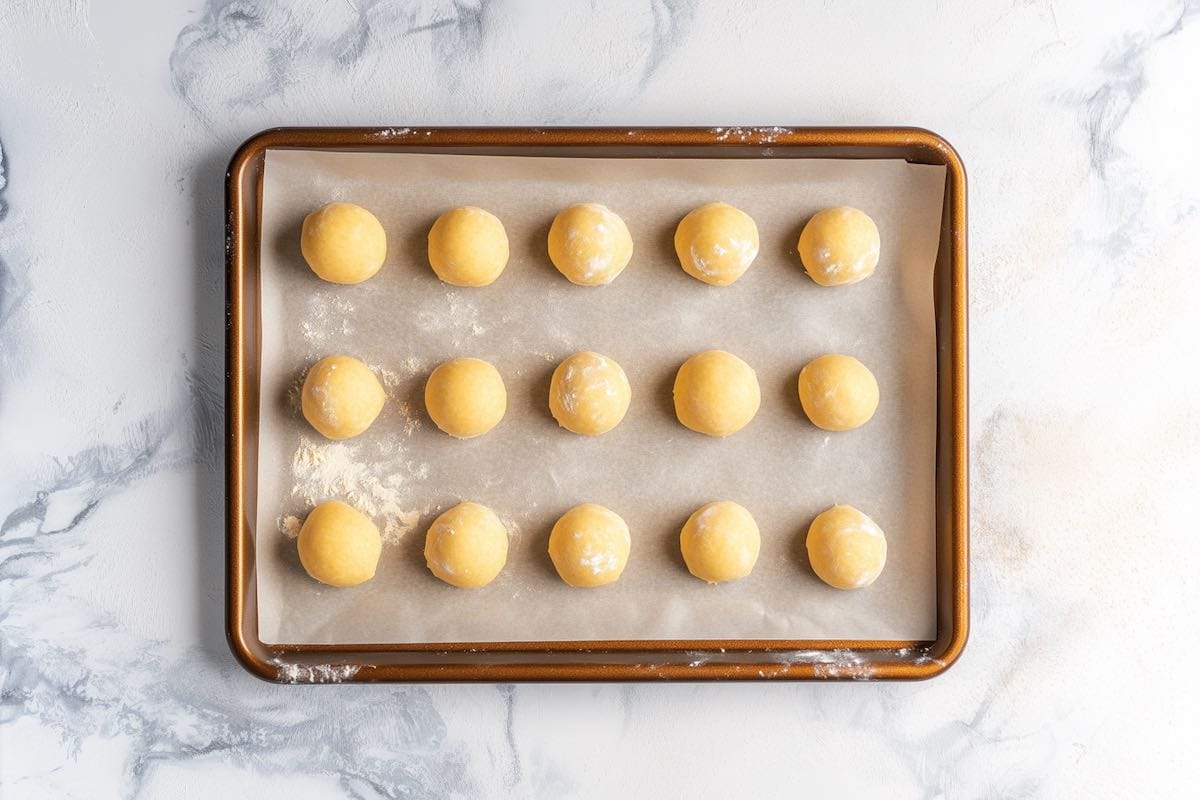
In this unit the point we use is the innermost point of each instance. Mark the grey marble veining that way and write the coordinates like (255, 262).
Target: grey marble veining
(438, 59)
(1076, 121)
(1123, 78)
(14, 288)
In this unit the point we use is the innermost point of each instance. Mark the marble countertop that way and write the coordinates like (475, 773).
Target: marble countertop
(1077, 124)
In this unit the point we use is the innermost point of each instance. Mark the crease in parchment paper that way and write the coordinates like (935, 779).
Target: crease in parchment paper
(650, 469)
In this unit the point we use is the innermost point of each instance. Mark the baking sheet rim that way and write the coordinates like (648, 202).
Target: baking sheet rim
(912, 659)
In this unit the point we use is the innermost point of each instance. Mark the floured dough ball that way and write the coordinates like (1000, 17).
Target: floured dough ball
(465, 397)
(839, 246)
(339, 545)
(589, 394)
(468, 247)
(846, 548)
(838, 392)
(716, 393)
(466, 546)
(341, 397)
(343, 243)
(589, 546)
(589, 244)
(716, 243)
(720, 542)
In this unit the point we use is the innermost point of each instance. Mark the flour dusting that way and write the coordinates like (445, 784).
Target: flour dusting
(327, 322)
(314, 673)
(335, 470)
(289, 526)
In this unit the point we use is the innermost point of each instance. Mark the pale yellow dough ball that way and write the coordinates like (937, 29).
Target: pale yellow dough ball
(838, 393)
(589, 546)
(716, 393)
(468, 247)
(839, 246)
(846, 548)
(589, 244)
(589, 394)
(720, 542)
(465, 397)
(339, 545)
(466, 546)
(715, 243)
(343, 243)
(341, 397)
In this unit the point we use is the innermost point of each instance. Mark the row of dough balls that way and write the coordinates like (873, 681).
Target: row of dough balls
(716, 393)
(589, 244)
(467, 546)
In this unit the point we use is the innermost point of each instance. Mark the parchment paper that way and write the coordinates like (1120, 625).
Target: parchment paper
(650, 469)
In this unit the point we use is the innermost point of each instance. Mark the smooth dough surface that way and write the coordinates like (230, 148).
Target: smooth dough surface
(465, 397)
(716, 242)
(589, 244)
(339, 545)
(716, 393)
(343, 243)
(589, 393)
(846, 548)
(838, 392)
(341, 397)
(589, 546)
(468, 247)
(466, 546)
(839, 246)
(720, 542)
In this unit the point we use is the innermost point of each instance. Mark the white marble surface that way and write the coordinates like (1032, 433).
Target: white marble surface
(1077, 122)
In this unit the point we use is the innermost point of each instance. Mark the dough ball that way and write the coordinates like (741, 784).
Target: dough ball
(339, 545)
(716, 243)
(589, 546)
(838, 392)
(839, 245)
(466, 546)
(343, 243)
(720, 542)
(465, 397)
(589, 394)
(846, 548)
(468, 247)
(716, 393)
(589, 244)
(341, 397)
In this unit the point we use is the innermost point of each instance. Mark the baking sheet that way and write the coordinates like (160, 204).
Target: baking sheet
(650, 469)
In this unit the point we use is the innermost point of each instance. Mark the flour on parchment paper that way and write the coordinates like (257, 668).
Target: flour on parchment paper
(459, 318)
(290, 526)
(353, 471)
(329, 321)
(326, 470)
(392, 380)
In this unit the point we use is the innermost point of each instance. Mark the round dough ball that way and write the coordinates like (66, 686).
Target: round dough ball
(468, 247)
(720, 542)
(589, 244)
(341, 397)
(465, 397)
(589, 546)
(339, 545)
(716, 243)
(589, 394)
(839, 246)
(466, 546)
(838, 392)
(716, 393)
(343, 243)
(846, 548)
